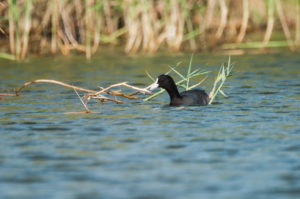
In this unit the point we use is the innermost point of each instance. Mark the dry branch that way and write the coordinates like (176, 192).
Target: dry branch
(122, 94)
(8, 94)
(52, 82)
(84, 104)
(91, 94)
(105, 99)
(140, 90)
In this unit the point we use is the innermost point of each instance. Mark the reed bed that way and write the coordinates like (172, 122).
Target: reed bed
(62, 26)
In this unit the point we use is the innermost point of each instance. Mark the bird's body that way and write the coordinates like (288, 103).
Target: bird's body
(190, 97)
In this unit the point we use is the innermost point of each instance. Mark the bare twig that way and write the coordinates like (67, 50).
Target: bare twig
(8, 94)
(122, 94)
(104, 99)
(141, 90)
(91, 94)
(53, 82)
(85, 106)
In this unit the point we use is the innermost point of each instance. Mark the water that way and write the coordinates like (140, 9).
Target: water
(243, 146)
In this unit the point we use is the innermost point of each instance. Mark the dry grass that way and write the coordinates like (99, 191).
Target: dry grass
(145, 25)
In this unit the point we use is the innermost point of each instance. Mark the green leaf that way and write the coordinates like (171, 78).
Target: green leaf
(7, 56)
(222, 92)
(178, 73)
(189, 72)
(153, 79)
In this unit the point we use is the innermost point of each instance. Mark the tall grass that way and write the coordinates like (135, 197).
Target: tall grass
(142, 25)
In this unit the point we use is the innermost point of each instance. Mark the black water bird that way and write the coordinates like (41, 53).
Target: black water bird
(190, 97)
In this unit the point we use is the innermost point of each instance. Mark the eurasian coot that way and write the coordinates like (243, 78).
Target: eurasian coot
(191, 97)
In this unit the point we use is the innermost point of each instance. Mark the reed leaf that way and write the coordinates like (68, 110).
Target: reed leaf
(182, 82)
(178, 73)
(189, 72)
(7, 56)
(148, 74)
(220, 80)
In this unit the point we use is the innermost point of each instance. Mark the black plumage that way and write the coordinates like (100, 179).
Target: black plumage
(191, 97)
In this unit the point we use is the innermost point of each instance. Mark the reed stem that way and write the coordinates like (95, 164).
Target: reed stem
(26, 28)
(284, 25)
(297, 38)
(88, 51)
(12, 26)
(270, 23)
(142, 25)
(53, 26)
(244, 25)
(223, 20)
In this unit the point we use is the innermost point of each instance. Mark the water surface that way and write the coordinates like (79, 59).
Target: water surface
(243, 146)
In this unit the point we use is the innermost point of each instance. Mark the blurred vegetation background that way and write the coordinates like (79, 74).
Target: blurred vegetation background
(61, 26)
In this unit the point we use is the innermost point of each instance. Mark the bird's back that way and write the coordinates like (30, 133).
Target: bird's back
(194, 97)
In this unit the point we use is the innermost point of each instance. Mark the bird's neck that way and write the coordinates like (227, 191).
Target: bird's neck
(173, 92)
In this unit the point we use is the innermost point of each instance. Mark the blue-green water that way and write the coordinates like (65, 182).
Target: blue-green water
(243, 146)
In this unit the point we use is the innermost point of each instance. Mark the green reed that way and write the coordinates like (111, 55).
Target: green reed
(185, 80)
(223, 74)
(7, 56)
